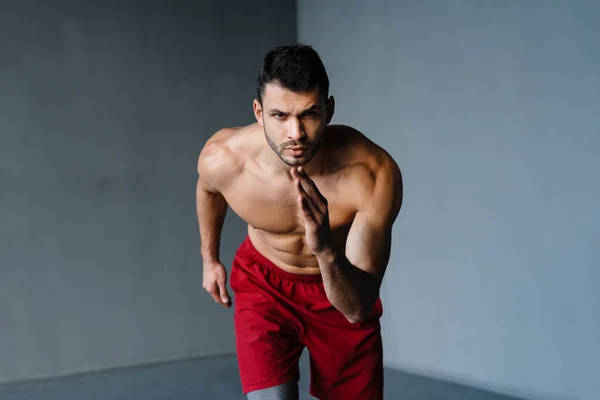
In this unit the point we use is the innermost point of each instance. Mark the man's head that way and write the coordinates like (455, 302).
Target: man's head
(293, 105)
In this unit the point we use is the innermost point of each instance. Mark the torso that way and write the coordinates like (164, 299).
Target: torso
(267, 202)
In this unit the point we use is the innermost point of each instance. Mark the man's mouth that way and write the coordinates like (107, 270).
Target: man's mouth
(296, 150)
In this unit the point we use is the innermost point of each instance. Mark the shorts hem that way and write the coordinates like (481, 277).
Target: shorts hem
(280, 380)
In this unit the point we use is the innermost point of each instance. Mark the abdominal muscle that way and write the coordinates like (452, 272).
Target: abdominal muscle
(288, 252)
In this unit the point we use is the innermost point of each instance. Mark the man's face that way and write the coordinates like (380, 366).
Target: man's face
(294, 123)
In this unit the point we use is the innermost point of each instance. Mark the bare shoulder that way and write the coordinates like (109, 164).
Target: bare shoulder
(372, 168)
(219, 161)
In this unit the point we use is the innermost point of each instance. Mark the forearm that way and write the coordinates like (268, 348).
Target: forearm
(211, 209)
(349, 289)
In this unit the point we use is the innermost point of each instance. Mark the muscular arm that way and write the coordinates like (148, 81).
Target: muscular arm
(211, 206)
(353, 278)
(211, 209)
(214, 171)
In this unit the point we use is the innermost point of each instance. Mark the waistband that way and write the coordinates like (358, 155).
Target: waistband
(248, 249)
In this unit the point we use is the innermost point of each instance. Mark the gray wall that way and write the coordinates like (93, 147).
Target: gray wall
(104, 107)
(492, 109)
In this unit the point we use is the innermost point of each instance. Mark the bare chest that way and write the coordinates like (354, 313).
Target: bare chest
(272, 207)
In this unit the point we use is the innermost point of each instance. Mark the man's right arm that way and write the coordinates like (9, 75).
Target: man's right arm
(211, 209)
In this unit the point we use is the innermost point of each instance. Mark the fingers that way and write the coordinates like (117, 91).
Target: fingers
(309, 215)
(307, 189)
(307, 203)
(312, 187)
(225, 300)
(219, 295)
(217, 288)
(213, 290)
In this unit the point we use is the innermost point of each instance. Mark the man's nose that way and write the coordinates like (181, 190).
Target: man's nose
(295, 129)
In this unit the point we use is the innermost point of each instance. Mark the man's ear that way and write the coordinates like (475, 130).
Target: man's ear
(258, 111)
(330, 109)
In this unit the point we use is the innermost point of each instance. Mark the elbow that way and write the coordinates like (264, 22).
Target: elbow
(358, 316)
(361, 313)
(355, 318)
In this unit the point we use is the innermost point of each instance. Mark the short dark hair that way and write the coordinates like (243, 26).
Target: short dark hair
(296, 67)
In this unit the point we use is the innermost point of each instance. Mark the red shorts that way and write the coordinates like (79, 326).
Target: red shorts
(278, 313)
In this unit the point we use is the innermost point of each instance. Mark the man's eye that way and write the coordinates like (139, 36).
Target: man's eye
(278, 115)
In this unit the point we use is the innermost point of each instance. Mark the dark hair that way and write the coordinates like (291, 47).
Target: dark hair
(295, 67)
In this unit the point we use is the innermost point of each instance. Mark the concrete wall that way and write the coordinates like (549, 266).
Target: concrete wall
(104, 107)
(492, 109)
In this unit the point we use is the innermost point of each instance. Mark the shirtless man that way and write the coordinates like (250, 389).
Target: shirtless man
(320, 201)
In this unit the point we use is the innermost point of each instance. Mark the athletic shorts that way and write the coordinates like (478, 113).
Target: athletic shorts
(278, 313)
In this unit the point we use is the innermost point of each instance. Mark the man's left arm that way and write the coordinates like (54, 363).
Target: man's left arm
(353, 278)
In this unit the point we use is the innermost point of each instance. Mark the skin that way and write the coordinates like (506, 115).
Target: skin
(328, 210)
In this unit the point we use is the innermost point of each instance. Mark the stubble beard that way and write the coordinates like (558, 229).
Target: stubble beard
(312, 149)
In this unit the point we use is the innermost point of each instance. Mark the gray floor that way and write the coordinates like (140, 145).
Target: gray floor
(211, 378)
